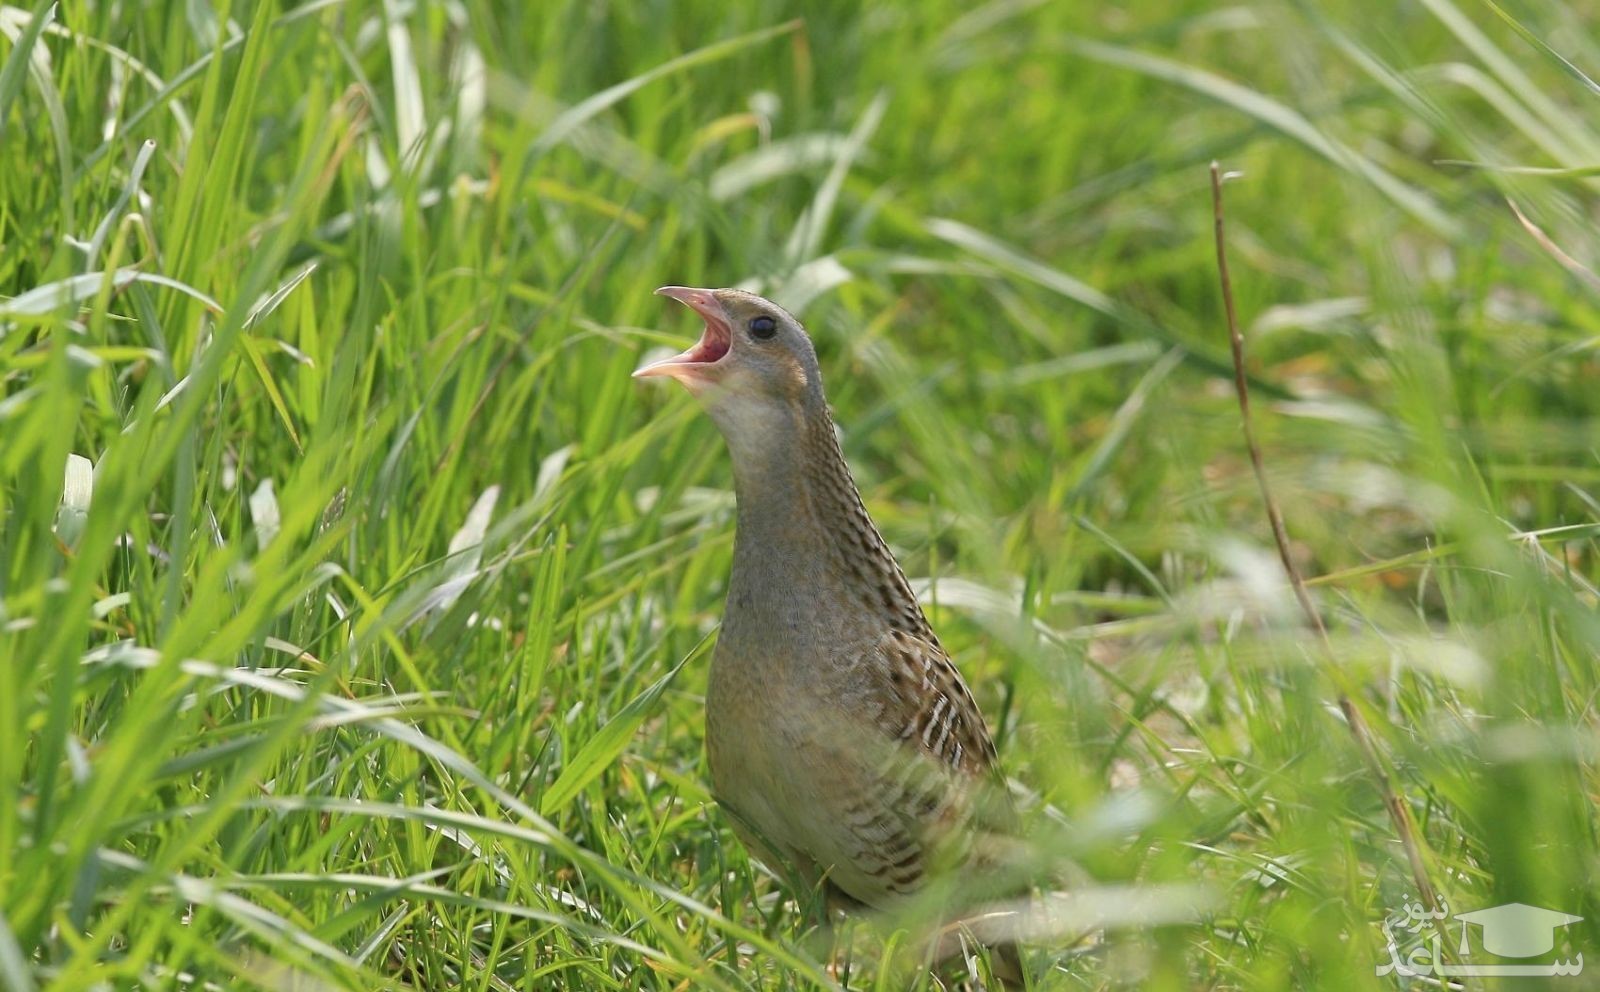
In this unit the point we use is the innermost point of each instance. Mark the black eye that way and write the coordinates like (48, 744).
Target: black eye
(763, 327)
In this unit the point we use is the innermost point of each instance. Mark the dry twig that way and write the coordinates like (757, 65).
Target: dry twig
(1554, 250)
(1399, 813)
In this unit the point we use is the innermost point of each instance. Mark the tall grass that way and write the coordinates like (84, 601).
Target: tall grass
(354, 604)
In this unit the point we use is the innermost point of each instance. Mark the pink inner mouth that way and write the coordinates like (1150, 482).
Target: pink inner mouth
(713, 344)
(717, 339)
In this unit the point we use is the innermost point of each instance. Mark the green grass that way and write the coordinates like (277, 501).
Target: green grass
(371, 653)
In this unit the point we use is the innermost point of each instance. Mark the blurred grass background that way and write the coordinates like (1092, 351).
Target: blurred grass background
(354, 604)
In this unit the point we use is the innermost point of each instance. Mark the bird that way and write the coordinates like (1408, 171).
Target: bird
(842, 741)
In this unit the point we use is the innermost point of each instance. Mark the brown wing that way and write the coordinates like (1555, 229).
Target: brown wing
(931, 789)
(929, 708)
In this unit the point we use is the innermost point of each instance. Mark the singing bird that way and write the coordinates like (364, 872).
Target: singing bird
(842, 741)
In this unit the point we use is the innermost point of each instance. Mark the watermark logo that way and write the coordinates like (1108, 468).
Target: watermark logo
(1414, 937)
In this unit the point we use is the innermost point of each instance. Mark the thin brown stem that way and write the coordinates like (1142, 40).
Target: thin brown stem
(1399, 812)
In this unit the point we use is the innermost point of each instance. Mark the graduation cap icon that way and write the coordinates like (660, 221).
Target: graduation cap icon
(1516, 930)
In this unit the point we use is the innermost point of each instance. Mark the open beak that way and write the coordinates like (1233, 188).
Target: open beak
(714, 344)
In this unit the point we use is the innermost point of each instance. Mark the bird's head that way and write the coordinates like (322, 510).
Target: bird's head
(753, 360)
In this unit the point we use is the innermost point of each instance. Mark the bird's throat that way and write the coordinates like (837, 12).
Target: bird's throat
(804, 536)
(791, 481)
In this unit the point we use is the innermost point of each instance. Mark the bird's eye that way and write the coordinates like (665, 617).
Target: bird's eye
(763, 327)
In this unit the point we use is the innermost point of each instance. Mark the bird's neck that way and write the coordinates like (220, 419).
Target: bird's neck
(792, 481)
(802, 528)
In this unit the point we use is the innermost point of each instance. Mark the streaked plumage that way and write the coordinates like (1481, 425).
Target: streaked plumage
(841, 738)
